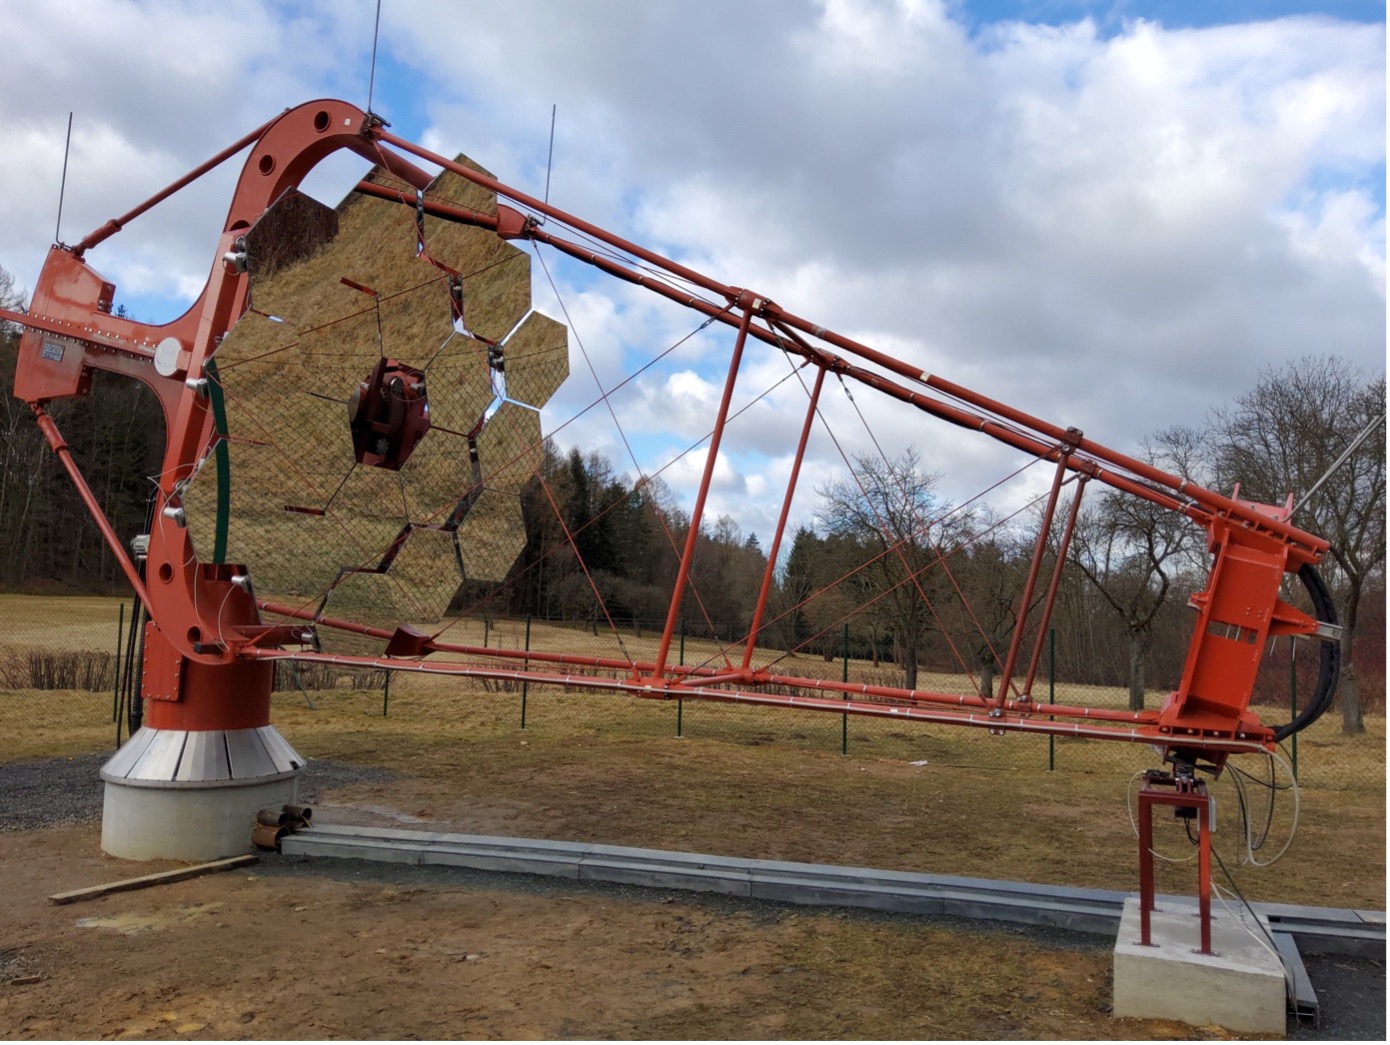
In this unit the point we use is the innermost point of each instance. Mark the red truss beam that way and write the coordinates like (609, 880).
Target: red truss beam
(1092, 725)
(70, 331)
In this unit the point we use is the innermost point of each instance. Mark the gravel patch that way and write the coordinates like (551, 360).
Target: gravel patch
(1351, 999)
(52, 792)
(320, 777)
(58, 792)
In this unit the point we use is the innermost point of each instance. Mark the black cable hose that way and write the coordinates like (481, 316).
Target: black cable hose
(135, 710)
(135, 660)
(1329, 660)
(128, 674)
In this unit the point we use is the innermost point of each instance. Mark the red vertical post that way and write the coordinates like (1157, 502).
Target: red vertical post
(1146, 863)
(1051, 600)
(756, 625)
(1006, 676)
(59, 446)
(1186, 794)
(683, 575)
(1204, 868)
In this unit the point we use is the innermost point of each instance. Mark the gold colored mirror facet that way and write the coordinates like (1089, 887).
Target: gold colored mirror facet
(332, 292)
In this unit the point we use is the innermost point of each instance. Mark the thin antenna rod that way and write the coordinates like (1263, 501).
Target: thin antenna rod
(549, 156)
(63, 186)
(1361, 438)
(371, 78)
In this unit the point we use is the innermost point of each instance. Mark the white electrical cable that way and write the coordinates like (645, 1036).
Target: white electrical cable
(1276, 757)
(1134, 824)
(1259, 935)
(221, 638)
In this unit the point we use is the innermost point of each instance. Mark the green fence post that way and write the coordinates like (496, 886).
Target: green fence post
(1293, 702)
(299, 685)
(844, 677)
(527, 663)
(1051, 694)
(385, 694)
(116, 686)
(680, 704)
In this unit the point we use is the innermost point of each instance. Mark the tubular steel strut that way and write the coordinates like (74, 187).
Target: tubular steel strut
(204, 619)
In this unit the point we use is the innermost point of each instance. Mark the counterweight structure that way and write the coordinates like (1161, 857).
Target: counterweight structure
(351, 407)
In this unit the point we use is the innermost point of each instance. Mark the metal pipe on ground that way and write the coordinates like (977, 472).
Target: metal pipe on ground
(267, 836)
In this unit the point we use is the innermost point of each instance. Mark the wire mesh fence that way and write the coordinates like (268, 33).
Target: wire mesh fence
(60, 660)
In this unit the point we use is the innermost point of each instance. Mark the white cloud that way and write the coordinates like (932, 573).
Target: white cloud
(1114, 227)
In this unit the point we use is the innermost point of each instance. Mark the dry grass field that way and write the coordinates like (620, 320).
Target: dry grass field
(758, 782)
(386, 952)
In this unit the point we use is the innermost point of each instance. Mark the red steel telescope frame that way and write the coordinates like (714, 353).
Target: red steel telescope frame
(209, 655)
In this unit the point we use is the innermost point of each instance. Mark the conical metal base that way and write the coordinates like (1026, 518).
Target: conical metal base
(180, 795)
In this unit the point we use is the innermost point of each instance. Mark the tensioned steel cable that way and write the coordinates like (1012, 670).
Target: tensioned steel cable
(887, 551)
(608, 402)
(884, 530)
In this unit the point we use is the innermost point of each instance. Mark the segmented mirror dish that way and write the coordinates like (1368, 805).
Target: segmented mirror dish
(333, 293)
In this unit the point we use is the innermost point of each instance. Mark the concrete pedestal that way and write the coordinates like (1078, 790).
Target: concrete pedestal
(1240, 987)
(186, 795)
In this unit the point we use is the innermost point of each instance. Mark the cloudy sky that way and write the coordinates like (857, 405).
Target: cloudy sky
(1113, 214)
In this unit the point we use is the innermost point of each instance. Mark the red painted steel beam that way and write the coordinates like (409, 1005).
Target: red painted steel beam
(1028, 442)
(710, 676)
(434, 645)
(756, 625)
(59, 446)
(115, 225)
(1309, 547)
(706, 676)
(1251, 741)
(1006, 677)
(1063, 547)
(692, 537)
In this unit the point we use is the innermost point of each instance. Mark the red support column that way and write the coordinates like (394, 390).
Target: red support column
(1204, 869)
(756, 626)
(692, 537)
(1063, 546)
(1146, 865)
(1044, 528)
(1185, 793)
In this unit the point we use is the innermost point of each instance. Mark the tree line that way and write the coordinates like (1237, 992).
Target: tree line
(890, 573)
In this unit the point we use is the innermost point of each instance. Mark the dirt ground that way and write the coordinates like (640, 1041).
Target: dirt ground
(290, 950)
(297, 948)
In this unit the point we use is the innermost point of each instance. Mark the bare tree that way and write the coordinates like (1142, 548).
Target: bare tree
(1284, 435)
(11, 296)
(988, 573)
(888, 508)
(1133, 552)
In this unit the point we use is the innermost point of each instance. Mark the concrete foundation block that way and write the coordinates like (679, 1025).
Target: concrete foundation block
(1240, 987)
(187, 823)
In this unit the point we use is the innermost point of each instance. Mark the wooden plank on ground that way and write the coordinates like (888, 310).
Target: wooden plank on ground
(163, 877)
